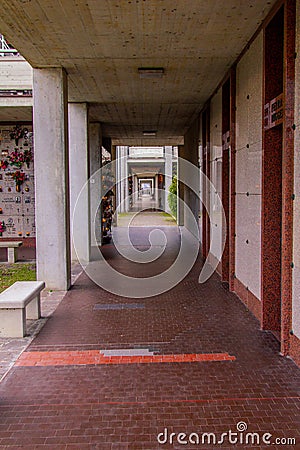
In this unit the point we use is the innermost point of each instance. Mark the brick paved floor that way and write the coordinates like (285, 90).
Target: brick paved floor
(58, 397)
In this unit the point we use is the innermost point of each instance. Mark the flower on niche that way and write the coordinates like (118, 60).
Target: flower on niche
(2, 227)
(27, 157)
(17, 133)
(19, 178)
(16, 158)
(3, 164)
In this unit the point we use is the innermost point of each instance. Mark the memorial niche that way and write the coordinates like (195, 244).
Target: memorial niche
(17, 182)
(107, 203)
(107, 215)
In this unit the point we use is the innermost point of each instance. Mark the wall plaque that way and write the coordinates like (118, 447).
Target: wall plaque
(273, 112)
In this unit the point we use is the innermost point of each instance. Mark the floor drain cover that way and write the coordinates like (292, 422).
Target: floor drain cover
(127, 352)
(117, 306)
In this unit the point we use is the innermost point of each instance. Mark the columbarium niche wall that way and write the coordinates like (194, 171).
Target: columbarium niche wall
(17, 199)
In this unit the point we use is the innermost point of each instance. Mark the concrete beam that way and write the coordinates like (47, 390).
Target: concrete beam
(16, 102)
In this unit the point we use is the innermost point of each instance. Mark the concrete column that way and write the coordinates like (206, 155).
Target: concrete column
(156, 190)
(95, 144)
(126, 192)
(190, 151)
(133, 189)
(136, 189)
(180, 189)
(168, 175)
(114, 173)
(122, 178)
(79, 174)
(50, 119)
(118, 179)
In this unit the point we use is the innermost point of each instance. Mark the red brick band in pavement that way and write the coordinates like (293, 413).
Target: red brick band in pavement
(79, 357)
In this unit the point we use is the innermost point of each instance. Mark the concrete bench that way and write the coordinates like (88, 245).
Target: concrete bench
(18, 302)
(11, 249)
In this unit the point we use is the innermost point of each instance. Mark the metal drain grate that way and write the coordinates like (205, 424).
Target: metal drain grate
(128, 352)
(118, 306)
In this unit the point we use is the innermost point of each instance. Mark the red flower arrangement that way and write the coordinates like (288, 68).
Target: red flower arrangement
(19, 178)
(2, 227)
(27, 157)
(16, 158)
(16, 134)
(3, 164)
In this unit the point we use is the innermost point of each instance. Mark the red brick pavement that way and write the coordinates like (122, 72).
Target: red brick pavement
(125, 406)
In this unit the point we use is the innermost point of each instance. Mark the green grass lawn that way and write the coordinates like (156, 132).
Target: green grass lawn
(168, 216)
(9, 273)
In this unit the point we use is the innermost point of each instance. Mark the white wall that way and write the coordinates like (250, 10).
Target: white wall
(296, 257)
(249, 79)
(216, 164)
(15, 73)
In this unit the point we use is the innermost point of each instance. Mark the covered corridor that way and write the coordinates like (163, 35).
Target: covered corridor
(212, 89)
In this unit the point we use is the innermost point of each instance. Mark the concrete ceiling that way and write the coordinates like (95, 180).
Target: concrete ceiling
(102, 43)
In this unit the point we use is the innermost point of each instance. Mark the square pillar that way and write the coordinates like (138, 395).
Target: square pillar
(95, 145)
(79, 175)
(168, 175)
(180, 189)
(50, 119)
(114, 173)
(136, 188)
(122, 174)
(189, 152)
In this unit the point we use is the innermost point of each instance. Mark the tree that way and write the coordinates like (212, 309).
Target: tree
(172, 197)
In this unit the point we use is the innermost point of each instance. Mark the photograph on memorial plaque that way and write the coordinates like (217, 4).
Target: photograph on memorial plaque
(5, 133)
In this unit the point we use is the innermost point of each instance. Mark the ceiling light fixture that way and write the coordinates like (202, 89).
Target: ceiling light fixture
(149, 133)
(151, 72)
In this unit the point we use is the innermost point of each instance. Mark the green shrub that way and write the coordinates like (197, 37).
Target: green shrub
(172, 197)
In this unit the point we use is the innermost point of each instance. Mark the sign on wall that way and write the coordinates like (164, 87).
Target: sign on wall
(273, 112)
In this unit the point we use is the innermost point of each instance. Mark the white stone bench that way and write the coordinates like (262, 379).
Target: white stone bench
(18, 302)
(11, 249)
